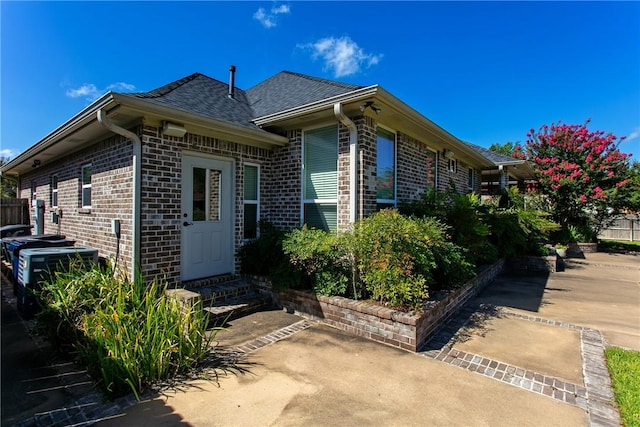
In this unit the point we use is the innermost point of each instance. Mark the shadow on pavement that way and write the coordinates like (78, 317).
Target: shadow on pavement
(524, 290)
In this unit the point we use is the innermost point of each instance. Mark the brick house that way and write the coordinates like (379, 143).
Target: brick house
(188, 169)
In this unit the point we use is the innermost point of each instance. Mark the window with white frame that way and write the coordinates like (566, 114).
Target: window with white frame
(54, 191)
(471, 179)
(453, 165)
(386, 167)
(33, 190)
(320, 178)
(86, 186)
(432, 169)
(251, 200)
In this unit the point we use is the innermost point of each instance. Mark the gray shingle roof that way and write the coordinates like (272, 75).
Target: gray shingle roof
(287, 90)
(203, 95)
(494, 157)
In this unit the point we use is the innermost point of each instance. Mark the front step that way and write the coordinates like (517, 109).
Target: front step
(232, 308)
(228, 297)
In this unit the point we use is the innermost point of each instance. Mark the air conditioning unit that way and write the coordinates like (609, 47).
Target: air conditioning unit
(36, 266)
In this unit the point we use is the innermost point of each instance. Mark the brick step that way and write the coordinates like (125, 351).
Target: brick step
(225, 291)
(234, 307)
(208, 282)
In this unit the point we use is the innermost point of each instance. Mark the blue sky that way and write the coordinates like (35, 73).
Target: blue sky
(485, 71)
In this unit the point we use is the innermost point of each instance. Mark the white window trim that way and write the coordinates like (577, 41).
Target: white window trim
(452, 166)
(472, 178)
(251, 201)
(304, 201)
(34, 190)
(395, 167)
(54, 191)
(83, 186)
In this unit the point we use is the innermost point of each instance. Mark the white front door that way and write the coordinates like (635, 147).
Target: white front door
(207, 217)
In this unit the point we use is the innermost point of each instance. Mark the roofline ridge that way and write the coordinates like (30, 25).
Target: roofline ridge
(170, 87)
(323, 80)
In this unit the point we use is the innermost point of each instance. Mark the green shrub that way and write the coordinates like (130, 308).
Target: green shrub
(264, 256)
(464, 214)
(399, 258)
(388, 257)
(321, 257)
(260, 255)
(128, 334)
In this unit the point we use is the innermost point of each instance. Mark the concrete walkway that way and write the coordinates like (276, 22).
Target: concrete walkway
(527, 351)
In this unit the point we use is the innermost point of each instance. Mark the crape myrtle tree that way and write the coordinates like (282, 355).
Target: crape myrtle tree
(581, 172)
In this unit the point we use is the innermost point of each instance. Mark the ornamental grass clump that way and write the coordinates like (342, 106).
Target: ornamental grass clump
(128, 334)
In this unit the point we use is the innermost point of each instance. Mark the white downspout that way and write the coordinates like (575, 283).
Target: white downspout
(136, 162)
(353, 160)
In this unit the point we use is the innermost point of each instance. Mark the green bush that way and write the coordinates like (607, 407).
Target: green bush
(322, 258)
(388, 257)
(401, 259)
(264, 256)
(510, 226)
(464, 214)
(128, 334)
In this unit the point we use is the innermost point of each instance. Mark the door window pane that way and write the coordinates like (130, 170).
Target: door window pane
(206, 194)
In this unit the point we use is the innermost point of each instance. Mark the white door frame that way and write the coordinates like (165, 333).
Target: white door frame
(197, 263)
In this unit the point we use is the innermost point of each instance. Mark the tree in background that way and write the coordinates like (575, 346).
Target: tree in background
(632, 189)
(510, 149)
(8, 186)
(582, 173)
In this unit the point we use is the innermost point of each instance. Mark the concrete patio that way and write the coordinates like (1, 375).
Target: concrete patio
(526, 351)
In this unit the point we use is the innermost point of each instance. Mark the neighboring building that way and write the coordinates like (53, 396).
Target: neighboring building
(507, 172)
(188, 169)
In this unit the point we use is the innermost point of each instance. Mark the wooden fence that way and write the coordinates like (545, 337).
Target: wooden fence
(14, 211)
(626, 228)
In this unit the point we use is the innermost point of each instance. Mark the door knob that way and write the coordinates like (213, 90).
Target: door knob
(187, 223)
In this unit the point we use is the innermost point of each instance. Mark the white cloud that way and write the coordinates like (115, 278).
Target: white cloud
(342, 55)
(6, 153)
(269, 19)
(633, 135)
(90, 92)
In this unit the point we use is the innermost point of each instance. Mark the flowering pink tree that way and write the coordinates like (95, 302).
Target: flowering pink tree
(581, 172)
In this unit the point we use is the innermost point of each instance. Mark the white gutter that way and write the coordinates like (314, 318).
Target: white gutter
(136, 164)
(353, 159)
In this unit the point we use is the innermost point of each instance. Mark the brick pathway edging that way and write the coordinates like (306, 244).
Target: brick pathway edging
(596, 396)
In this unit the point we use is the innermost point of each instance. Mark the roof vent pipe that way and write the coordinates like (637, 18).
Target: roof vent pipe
(232, 81)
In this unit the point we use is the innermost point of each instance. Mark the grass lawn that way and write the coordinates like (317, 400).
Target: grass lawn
(618, 246)
(624, 366)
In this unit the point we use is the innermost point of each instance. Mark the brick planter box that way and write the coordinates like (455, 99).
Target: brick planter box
(409, 331)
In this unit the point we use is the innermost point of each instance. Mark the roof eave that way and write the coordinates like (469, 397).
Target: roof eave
(188, 118)
(313, 107)
(76, 122)
(422, 121)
